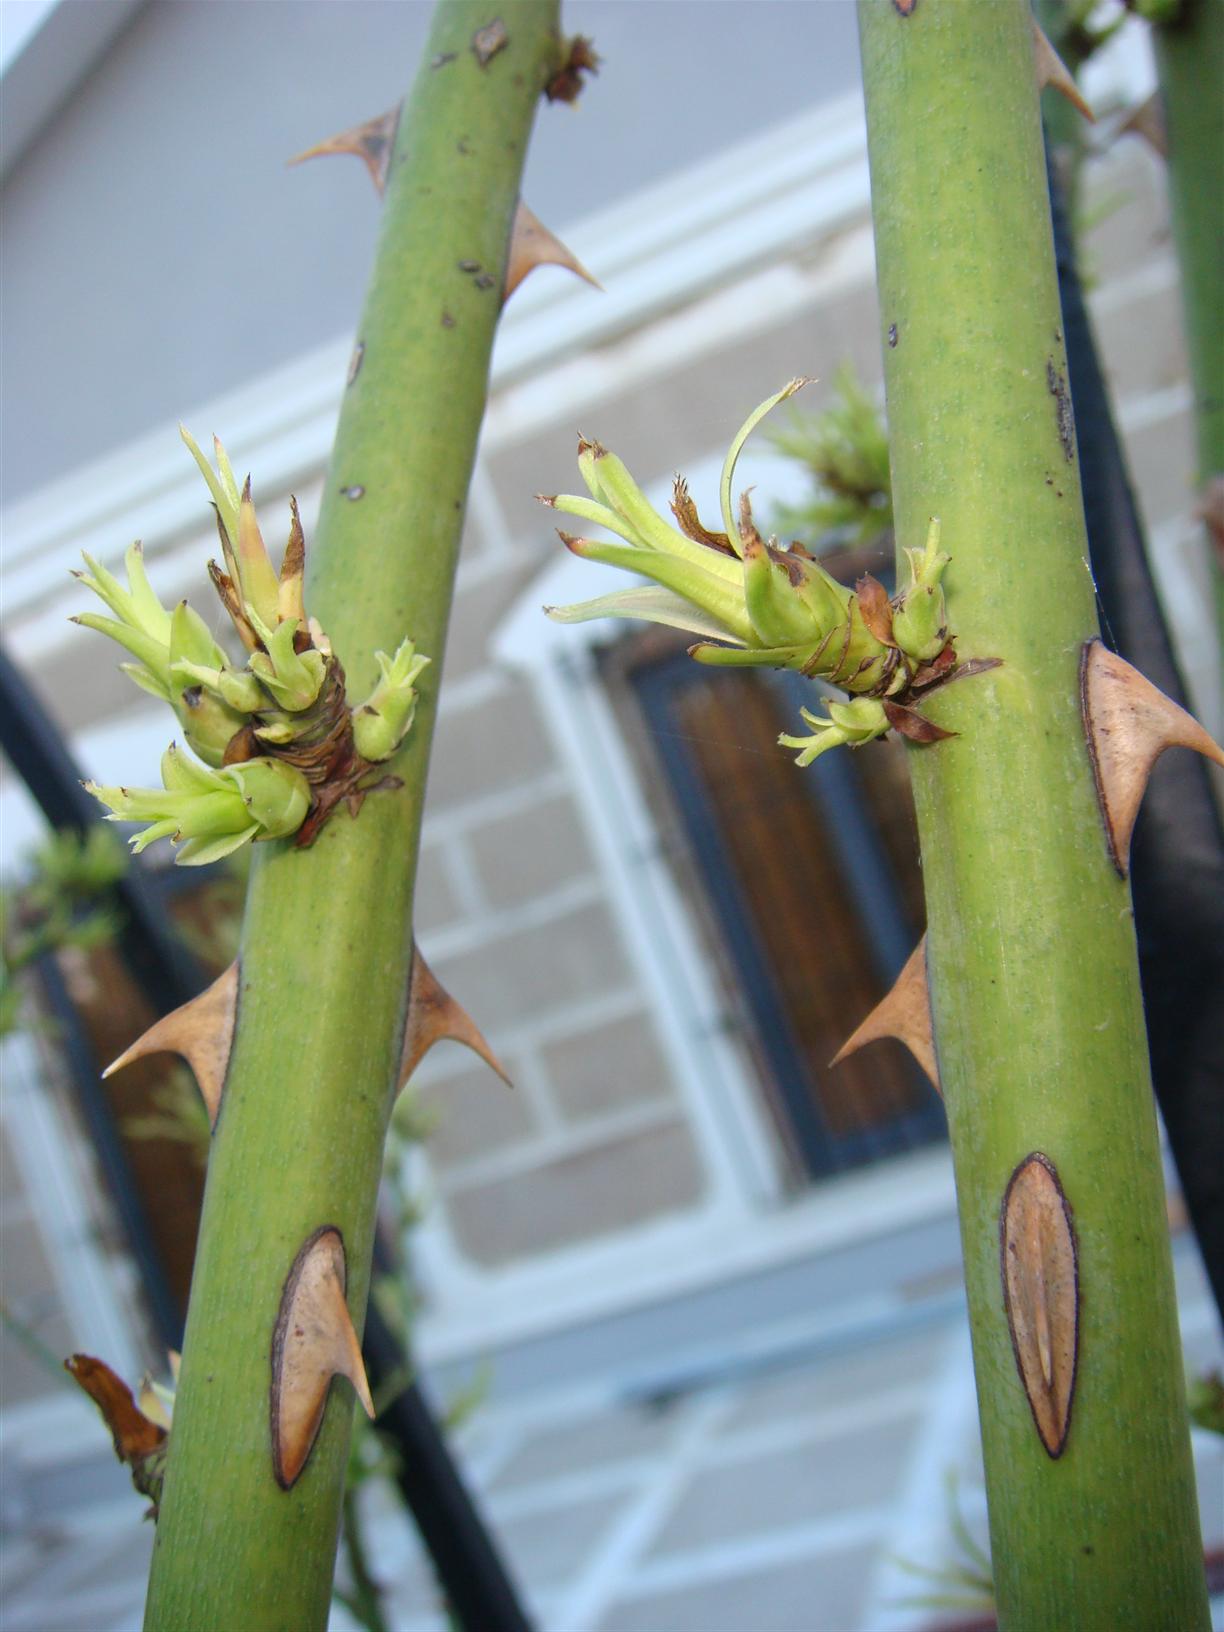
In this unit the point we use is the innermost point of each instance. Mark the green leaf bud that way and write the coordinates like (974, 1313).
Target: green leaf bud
(295, 679)
(382, 722)
(920, 623)
(852, 723)
(210, 813)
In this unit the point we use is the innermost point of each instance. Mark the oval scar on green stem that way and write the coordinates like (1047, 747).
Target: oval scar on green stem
(1040, 1272)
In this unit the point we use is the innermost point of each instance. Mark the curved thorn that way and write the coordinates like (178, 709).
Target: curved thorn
(532, 245)
(314, 1341)
(1039, 1266)
(434, 1017)
(373, 143)
(202, 1031)
(1053, 71)
(1129, 724)
(904, 1012)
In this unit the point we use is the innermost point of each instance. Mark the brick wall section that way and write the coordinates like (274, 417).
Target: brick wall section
(535, 953)
(512, 910)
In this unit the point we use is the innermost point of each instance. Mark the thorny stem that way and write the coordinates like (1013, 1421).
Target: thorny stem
(327, 938)
(1031, 955)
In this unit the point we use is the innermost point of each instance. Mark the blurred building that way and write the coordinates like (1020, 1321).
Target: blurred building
(678, 1185)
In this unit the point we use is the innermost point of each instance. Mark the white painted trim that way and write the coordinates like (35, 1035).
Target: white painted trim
(703, 227)
(670, 1259)
(46, 51)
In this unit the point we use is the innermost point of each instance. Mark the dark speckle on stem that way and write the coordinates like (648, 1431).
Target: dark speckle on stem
(448, 321)
(443, 57)
(1056, 383)
(469, 266)
(892, 334)
(356, 491)
(484, 281)
(461, 146)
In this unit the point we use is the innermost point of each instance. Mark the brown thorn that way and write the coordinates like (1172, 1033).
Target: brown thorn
(1052, 71)
(532, 245)
(1148, 120)
(1129, 724)
(314, 1340)
(434, 1017)
(904, 1012)
(1039, 1267)
(373, 143)
(201, 1031)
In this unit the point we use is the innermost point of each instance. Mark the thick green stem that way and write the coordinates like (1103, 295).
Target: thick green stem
(327, 938)
(1190, 63)
(1035, 992)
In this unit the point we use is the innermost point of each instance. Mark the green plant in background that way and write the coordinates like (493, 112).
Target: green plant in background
(964, 1584)
(1207, 1402)
(845, 451)
(63, 902)
(1030, 952)
(304, 1038)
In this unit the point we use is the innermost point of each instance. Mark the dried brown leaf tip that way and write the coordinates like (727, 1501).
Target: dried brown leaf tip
(1052, 71)
(139, 1442)
(314, 1341)
(435, 1017)
(580, 58)
(489, 40)
(1038, 1263)
(876, 608)
(907, 722)
(904, 1013)
(202, 1031)
(372, 142)
(532, 245)
(1129, 724)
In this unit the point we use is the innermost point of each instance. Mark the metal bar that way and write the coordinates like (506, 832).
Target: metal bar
(470, 1569)
(1177, 852)
(99, 1119)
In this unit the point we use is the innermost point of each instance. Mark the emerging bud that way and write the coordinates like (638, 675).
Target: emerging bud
(920, 622)
(854, 723)
(294, 678)
(765, 606)
(385, 718)
(209, 813)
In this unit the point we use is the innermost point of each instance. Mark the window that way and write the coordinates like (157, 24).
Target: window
(809, 891)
